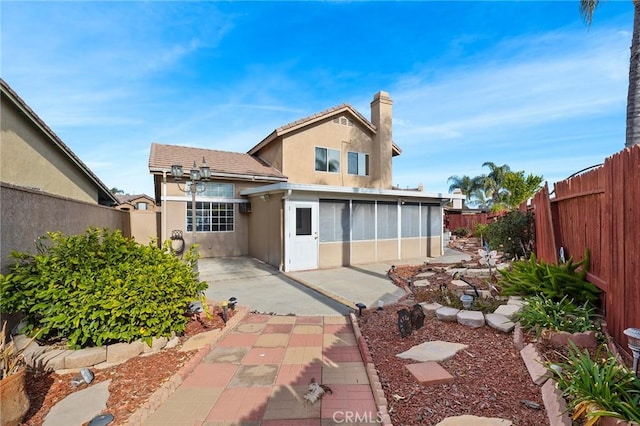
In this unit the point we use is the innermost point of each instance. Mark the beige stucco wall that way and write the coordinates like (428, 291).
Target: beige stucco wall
(333, 255)
(28, 158)
(298, 152)
(143, 225)
(433, 246)
(410, 248)
(265, 229)
(363, 252)
(28, 215)
(387, 250)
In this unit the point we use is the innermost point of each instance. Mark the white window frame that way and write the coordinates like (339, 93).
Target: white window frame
(327, 151)
(362, 163)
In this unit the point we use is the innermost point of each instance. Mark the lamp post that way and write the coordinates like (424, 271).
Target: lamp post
(197, 176)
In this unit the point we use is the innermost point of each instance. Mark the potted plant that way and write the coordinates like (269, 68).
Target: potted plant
(14, 401)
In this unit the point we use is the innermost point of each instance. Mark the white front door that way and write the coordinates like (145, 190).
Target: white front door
(303, 235)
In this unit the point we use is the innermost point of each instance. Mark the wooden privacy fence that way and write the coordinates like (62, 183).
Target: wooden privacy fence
(599, 210)
(469, 221)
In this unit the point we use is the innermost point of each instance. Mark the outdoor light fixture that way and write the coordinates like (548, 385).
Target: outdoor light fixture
(232, 303)
(197, 176)
(380, 305)
(633, 337)
(360, 307)
(225, 315)
(466, 300)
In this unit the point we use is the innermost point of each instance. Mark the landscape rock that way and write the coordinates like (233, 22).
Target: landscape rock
(533, 361)
(447, 313)
(157, 343)
(508, 310)
(120, 352)
(85, 357)
(499, 322)
(473, 319)
(423, 282)
(555, 404)
(585, 339)
(430, 309)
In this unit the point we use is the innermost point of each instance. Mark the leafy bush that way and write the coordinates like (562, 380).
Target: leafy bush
(600, 387)
(100, 288)
(530, 278)
(541, 313)
(462, 232)
(512, 234)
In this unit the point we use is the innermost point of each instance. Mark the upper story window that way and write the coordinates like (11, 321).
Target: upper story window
(142, 206)
(327, 160)
(213, 189)
(358, 163)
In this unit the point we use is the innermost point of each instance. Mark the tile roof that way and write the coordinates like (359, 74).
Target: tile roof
(104, 193)
(221, 162)
(126, 198)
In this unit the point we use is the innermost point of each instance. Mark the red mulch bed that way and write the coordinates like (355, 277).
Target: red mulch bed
(132, 382)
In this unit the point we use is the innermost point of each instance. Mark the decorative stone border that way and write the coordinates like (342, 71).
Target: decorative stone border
(372, 374)
(552, 398)
(163, 392)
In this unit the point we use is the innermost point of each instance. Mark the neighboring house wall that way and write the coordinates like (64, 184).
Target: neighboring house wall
(29, 159)
(28, 215)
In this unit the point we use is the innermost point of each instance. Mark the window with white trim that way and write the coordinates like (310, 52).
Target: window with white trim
(212, 216)
(358, 163)
(327, 160)
(142, 205)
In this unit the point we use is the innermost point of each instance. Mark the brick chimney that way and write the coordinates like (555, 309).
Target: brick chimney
(381, 113)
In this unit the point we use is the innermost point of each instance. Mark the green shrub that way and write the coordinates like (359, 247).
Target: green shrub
(540, 313)
(512, 234)
(530, 278)
(100, 288)
(600, 387)
(462, 232)
(480, 230)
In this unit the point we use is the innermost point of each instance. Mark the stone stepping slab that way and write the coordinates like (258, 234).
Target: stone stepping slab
(432, 351)
(447, 313)
(500, 322)
(473, 319)
(429, 373)
(508, 310)
(467, 420)
(79, 407)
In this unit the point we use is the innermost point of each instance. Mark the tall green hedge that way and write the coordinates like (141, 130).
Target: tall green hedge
(100, 288)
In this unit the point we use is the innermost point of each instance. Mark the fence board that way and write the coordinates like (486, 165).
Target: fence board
(599, 210)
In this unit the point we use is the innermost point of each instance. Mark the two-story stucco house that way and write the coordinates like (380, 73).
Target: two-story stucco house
(315, 193)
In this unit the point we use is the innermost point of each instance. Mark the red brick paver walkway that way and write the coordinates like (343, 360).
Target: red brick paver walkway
(259, 372)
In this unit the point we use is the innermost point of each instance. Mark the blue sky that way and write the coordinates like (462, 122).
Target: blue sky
(522, 83)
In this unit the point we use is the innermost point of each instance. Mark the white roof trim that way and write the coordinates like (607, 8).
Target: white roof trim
(345, 190)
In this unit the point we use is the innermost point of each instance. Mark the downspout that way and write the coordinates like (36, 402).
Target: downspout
(163, 230)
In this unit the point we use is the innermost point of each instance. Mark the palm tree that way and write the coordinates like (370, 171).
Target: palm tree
(493, 183)
(587, 8)
(467, 185)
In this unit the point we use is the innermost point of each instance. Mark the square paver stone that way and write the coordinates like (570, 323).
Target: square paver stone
(185, 406)
(254, 376)
(339, 340)
(346, 373)
(252, 327)
(238, 405)
(231, 354)
(429, 373)
(282, 320)
(337, 320)
(272, 340)
(303, 355)
(264, 356)
(278, 328)
(307, 329)
(287, 402)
